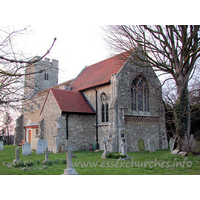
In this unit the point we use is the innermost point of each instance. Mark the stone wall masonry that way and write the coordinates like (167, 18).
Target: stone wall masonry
(51, 113)
(60, 138)
(36, 82)
(81, 130)
(144, 131)
(105, 129)
(133, 132)
(124, 81)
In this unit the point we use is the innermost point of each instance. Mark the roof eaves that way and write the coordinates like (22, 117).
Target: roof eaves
(56, 98)
(44, 102)
(94, 86)
(78, 75)
(125, 62)
(89, 104)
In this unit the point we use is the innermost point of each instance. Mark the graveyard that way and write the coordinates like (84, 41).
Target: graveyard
(160, 162)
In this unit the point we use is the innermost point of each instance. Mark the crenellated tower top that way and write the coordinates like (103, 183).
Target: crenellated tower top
(43, 75)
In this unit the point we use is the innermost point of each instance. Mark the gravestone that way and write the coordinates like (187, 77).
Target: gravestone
(192, 142)
(26, 149)
(182, 153)
(171, 144)
(16, 155)
(41, 146)
(175, 152)
(141, 146)
(46, 154)
(69, 170)
(105, 146)
(104, 154)
(123, 148)
(151, 145)
(1, 146)
(65, 149)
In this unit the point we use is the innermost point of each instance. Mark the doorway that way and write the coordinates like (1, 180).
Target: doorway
(28, 138)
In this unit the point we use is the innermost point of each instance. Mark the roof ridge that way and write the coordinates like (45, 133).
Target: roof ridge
(64, 90)
(117, 55)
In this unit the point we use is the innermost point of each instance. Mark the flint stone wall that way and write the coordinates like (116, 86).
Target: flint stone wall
(133, 131)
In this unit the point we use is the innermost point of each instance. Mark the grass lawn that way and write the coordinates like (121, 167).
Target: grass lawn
(162, 162)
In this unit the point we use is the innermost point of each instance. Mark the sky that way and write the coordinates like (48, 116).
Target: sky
(77, 27)
(76, 46)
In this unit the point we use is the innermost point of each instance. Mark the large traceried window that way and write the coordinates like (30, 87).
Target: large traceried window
(140, 94)
(104, 108)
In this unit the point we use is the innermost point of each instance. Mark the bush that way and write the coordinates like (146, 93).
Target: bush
(28, 163)
(64, 161)
(56, 161)
(37, 162)
(47, 162)
(20, 163)
(115, 155)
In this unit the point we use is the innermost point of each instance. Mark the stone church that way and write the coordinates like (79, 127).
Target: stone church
(113, 98)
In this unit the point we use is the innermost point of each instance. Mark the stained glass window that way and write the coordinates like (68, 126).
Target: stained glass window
(104, 108)
(140, 94)
(102, 112)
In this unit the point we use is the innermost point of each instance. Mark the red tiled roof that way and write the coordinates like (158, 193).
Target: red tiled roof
(98, 74)
(71, 101)
(56, 86)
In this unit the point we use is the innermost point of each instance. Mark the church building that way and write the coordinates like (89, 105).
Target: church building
(113, 98)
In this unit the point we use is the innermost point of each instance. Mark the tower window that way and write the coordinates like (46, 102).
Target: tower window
(46, 76)
(140, 94)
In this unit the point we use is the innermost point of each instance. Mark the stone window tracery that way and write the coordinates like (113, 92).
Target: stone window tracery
(140, 94)
(104, 108)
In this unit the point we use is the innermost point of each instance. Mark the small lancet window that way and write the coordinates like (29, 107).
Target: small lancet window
(46, 76)
(140, 94)
(104, 108)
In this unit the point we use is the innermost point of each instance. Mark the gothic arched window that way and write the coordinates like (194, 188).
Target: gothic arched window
(104, 108)
(140, 94)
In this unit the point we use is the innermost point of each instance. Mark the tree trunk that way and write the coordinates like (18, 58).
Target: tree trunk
(181, 115)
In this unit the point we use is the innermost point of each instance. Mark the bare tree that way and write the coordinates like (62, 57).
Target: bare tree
(171, 50)
(13, 70)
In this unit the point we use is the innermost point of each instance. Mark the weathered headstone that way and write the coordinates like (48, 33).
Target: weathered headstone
(65, 149)
(151, 145)
(26, 149)
(175, 152)
(1, 146)
(171, 144)
(46, 154)
(141, 146)
(16, 155)
(69, 170)
(105, 146)
(123, 145)
(41, 146)
(104, 154)
(181, 153)
(192, 142)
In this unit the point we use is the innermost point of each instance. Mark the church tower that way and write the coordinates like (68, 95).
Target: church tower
(43, 75)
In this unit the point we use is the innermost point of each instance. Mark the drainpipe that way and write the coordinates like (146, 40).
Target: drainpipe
(96, 116)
